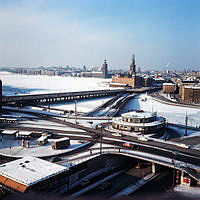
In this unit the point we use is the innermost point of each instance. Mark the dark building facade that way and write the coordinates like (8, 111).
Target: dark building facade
(0, 95)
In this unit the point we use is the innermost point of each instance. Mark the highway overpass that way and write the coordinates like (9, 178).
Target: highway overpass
(67, 96)
(58, 97)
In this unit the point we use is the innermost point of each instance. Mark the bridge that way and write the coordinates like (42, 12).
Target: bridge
(68, 96)
(58, 97)
(155, 160)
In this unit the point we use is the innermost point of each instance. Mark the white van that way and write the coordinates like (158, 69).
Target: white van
(142, 138)
(116, 134)
(183, 145)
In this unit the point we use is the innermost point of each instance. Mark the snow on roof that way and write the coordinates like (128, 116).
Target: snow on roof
(96, 72)
(117, 83)
(193, 87)
(9, 118)
(30, 170)
(42, 138)
(159, 121)
(60, 139)
(25, 133)
(159, 78)
(9, 132)
(168, 84)
(138, 114)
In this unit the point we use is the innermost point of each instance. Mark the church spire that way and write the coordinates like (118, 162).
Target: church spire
(132, 70)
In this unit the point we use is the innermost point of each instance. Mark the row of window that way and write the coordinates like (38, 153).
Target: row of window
(136, 129)
(140, 120)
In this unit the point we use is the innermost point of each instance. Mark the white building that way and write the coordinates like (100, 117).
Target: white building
(30, 174)
(139, 121)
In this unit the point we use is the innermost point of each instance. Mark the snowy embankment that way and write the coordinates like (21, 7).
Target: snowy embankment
(13, 148)
(173, 114)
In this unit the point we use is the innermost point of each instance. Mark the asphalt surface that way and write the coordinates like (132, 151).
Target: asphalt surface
(154, 147)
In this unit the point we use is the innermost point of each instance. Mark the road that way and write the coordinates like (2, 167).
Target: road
(162, 99)
(154, 147)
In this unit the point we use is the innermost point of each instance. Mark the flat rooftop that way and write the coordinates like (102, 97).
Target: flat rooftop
(60, 139)
(25, 133)
(30, 170)
(138, 114)
(9, 132)
(158, 121)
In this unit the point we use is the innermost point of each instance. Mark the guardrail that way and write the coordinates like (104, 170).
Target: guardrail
(122, 151)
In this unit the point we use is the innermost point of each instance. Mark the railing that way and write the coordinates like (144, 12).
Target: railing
(115, 150)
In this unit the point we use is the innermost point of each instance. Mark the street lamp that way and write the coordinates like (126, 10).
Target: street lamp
(75, 110)
(108, 122)
(101, 141)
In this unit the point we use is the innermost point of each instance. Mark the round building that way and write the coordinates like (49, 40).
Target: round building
(139, 121)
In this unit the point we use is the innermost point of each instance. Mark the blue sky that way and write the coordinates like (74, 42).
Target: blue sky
(84, 32)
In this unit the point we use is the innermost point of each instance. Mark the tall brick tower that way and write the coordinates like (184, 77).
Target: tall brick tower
(132, 69)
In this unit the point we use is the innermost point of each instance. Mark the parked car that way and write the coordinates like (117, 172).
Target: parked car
(116, 134)
(127, 145)
(105, 186)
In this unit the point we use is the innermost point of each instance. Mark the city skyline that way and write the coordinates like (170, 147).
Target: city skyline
(162, 34)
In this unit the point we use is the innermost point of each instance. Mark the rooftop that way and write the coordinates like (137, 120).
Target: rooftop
(25, 133)
(30, 170)
(60, 139)
(139, 114)
(192, 87)
(9, 132)
(42, 138)
(168, 84)
(158, 121)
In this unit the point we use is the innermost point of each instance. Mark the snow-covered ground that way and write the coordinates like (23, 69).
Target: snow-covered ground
(48, 125)
(167, 96)
(173, 114)
(82, 106)
(30, 84)
(15, 84)
(11, 147)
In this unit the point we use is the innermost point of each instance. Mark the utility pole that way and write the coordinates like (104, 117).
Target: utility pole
(101, 141)
(143, 126)
(186, 124)
(75, 110)
(49, 107)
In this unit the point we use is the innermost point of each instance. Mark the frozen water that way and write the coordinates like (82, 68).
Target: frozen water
(15, 84)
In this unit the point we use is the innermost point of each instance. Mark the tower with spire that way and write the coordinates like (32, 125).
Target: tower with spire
(104, 69)
(132, 69)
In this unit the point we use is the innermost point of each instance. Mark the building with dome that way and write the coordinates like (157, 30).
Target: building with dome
(139, 121)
